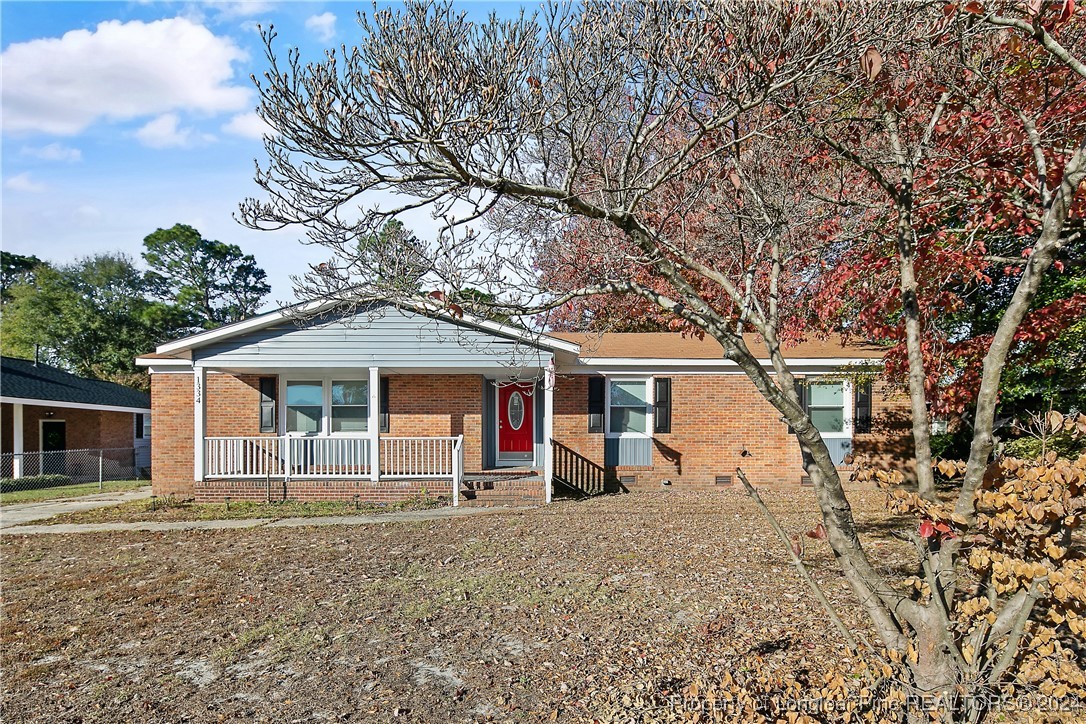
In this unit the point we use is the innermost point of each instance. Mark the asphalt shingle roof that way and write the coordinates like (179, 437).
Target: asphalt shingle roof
(22, 378)
(672, 345)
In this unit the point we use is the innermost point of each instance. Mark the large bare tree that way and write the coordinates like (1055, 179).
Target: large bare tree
(695, 157)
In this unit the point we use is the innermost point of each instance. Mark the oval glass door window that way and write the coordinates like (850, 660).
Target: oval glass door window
(516, 410)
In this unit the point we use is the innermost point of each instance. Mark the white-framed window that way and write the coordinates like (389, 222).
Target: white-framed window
(629, 407)
(829, 404)
(143, 425)
(350, 405)
(325, 406)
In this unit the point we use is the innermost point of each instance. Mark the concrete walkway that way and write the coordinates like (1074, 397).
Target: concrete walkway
(22, 513)
(406, 516)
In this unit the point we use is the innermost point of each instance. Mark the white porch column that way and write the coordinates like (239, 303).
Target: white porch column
(199, 395)
(17, 440)
(548, 430)
(374, 423)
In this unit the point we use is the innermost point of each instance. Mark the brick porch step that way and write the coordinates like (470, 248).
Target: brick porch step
(491, 490)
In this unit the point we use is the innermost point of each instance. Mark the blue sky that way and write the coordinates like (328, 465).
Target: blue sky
(121, 118)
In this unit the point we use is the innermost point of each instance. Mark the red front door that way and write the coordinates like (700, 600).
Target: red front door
(516, 423)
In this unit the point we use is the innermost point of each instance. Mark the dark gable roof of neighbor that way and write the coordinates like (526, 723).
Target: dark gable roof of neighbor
(21, 378)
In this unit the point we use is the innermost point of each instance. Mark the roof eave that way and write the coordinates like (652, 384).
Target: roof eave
(721, 362)
(73, 405)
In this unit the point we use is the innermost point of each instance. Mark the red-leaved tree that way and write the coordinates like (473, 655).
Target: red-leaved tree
(733, 169)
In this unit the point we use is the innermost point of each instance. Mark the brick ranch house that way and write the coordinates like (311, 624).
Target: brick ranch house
(47, 415)
(387, 402)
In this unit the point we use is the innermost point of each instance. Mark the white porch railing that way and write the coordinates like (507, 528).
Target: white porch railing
(319, 457)
(245, 457)
(328, 457)
(420, 457)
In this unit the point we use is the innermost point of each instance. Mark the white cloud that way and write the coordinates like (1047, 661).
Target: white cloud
(119, 71)
(88, 213)
(323, 26)
(166, 132)
(23, 182)
(247, 125)
(242, 8)
(53, 152)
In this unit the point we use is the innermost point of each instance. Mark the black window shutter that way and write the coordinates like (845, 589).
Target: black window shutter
(801, 392)
(661, 408)
(384, 422)
(268, 387)
(595, 404)
(139, 426)
(862, 417)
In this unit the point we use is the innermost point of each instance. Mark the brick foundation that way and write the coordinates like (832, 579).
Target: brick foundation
(516, 491)
(384, 491)
(503, 492)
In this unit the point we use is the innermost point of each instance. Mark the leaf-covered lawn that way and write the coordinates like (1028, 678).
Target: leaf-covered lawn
(567, 612)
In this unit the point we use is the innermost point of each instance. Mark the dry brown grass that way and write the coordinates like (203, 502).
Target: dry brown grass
(522, 616)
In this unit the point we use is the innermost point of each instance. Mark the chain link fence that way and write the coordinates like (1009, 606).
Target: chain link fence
(34, 470)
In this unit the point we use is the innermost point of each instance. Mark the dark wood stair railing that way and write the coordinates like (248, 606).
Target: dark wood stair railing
(577, 473)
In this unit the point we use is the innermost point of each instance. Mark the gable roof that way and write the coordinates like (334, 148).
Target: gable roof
(23, 380)
(674, 346)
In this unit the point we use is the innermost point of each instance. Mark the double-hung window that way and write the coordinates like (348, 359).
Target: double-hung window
(826, 406)
(327, 406)
(830, 407)
(305, 406)
(350, 406)
(629, 408)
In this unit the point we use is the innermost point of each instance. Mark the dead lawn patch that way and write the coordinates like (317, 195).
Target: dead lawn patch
(553, 613)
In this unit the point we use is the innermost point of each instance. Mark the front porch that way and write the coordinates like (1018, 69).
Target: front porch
(388, 469)
(336, 434)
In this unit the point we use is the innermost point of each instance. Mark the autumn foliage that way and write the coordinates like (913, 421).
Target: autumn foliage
(1002, 115)
(1023, 547)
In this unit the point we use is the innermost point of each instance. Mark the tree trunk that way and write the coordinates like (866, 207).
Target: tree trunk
(935, 671)
(910, 309)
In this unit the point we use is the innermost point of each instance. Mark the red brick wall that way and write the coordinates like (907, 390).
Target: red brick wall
(719, 423)
(171, 434)
(715, 420)
(439, 405)
(890, 442)
(83, 429)
(233, 405)
(116, 429)
(571, 417)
